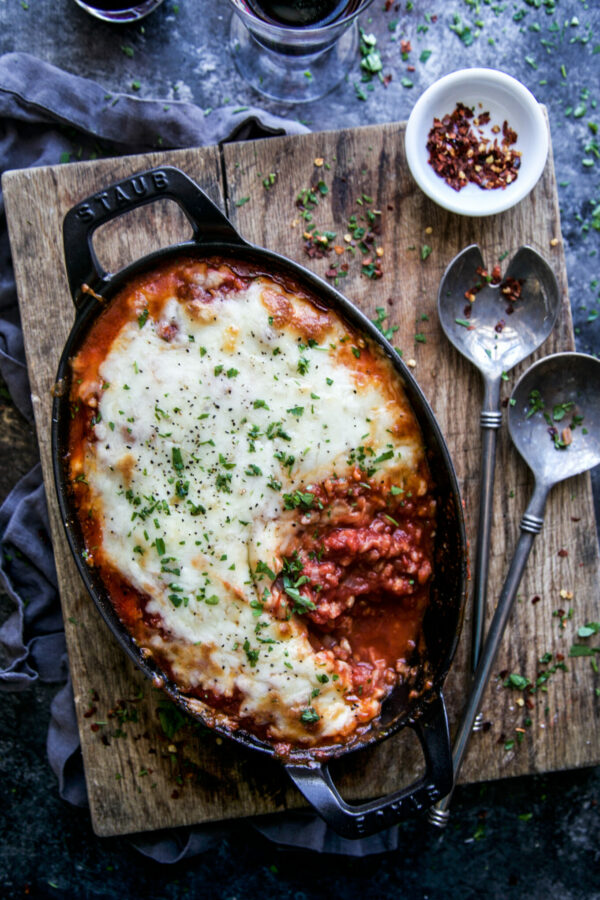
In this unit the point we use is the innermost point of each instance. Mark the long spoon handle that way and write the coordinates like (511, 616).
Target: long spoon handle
(531, 525)
(491, 420)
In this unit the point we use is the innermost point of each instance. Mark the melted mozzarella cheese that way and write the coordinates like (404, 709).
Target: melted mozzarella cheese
(199, 439)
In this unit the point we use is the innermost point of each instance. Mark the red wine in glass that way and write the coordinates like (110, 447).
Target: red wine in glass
(301, 13)
(295, 50)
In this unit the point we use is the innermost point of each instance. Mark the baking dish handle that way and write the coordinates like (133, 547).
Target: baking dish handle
(316, 784)
(206, 219)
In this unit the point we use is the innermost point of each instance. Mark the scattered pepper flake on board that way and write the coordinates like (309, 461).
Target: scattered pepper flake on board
(460, 155)
(363, 230)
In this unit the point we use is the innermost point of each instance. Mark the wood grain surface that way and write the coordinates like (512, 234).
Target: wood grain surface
(144, 768)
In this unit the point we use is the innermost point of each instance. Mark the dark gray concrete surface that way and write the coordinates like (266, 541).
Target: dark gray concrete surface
(535, 837)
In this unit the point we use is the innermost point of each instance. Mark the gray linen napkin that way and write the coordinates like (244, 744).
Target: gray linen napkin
(46, 113)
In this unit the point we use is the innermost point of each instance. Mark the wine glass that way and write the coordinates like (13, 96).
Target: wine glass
(118, 10)
(295, 51)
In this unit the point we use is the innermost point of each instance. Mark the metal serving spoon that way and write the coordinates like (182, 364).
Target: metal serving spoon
(556, 403)
(496, 336)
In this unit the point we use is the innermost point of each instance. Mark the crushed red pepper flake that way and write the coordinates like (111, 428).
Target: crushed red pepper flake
(461, 156)
(510, 290)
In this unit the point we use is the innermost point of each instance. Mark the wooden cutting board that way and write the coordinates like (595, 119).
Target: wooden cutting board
(144, 769)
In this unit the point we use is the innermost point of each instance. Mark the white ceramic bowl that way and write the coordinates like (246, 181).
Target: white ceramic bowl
(504, 98)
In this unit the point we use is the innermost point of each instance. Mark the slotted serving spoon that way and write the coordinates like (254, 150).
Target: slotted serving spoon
(559, 393)
(494, 340)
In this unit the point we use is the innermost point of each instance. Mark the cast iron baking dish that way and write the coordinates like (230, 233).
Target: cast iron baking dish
(213, 234)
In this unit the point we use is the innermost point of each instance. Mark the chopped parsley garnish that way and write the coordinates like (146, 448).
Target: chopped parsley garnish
(263, 569)
(286, 460)
(358, 458)
(309, 716)
(536, 404)
(589, 629)
(378, 323)
(293, 581)
(223, 482)
(251, 655)
(517, 681)
(583, 650)
(182, 488)
(177, 459)
(561, 409)
(303, 499)
(143, 317)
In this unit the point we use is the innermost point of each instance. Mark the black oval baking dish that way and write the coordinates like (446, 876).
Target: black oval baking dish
(213, 235)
